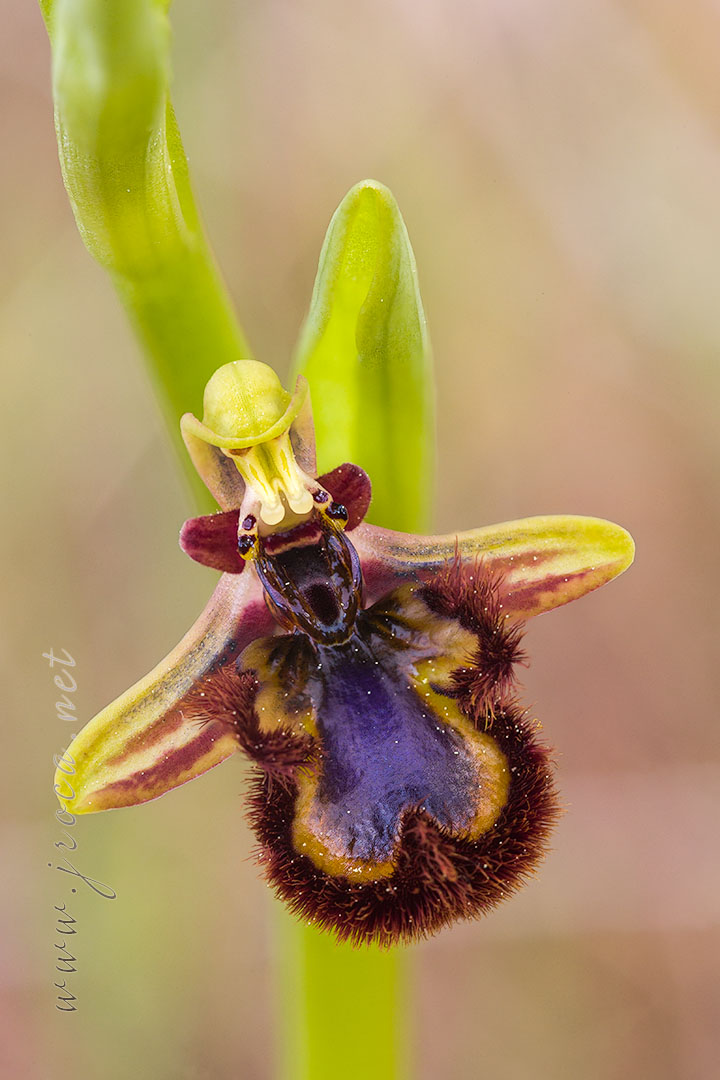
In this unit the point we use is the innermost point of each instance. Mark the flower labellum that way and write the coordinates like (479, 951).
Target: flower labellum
(367, 674)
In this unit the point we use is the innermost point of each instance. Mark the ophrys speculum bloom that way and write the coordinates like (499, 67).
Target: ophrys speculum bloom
(368, 674)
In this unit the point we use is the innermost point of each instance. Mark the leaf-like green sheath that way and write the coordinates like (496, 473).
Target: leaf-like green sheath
(365, 352)
(127, 179)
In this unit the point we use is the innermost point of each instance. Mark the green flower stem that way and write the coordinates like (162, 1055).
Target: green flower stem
(344, 1009)
(187, 329)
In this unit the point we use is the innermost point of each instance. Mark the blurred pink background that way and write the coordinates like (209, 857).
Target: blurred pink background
(558, 166)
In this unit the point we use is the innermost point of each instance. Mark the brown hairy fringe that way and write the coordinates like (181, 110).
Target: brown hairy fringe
(470, 593)
(228, 696)
(438, 877)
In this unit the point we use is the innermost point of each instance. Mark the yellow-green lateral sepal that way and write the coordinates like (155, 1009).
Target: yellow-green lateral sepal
(145, 743)
(541, 562)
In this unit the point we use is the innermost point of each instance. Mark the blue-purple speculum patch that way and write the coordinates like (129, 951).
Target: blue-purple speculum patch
(384, 714)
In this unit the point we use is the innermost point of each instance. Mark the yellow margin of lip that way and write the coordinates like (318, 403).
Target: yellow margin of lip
(492, 767)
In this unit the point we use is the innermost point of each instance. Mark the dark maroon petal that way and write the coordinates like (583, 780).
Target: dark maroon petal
(350, 485)
(212, 540)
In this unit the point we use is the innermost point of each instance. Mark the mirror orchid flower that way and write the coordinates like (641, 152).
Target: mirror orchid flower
(367, 674)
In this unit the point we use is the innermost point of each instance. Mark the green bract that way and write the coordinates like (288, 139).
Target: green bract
(126, 175)
(365, 352)
(110, 77)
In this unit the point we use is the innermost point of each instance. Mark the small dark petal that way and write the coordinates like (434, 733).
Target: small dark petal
(350, 485)
(213, 541)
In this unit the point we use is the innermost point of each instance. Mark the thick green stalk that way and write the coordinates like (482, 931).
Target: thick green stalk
(345, 1010)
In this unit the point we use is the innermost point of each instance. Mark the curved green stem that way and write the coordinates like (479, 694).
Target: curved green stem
(127, 178)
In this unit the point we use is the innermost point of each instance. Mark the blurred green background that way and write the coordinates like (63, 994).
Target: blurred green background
(558, 167)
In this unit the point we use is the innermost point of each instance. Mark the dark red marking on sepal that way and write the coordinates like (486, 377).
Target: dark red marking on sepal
(183, 709)
(212, 539)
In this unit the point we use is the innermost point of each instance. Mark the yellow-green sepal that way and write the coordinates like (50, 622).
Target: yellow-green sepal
(540, 562)
(145, 744)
